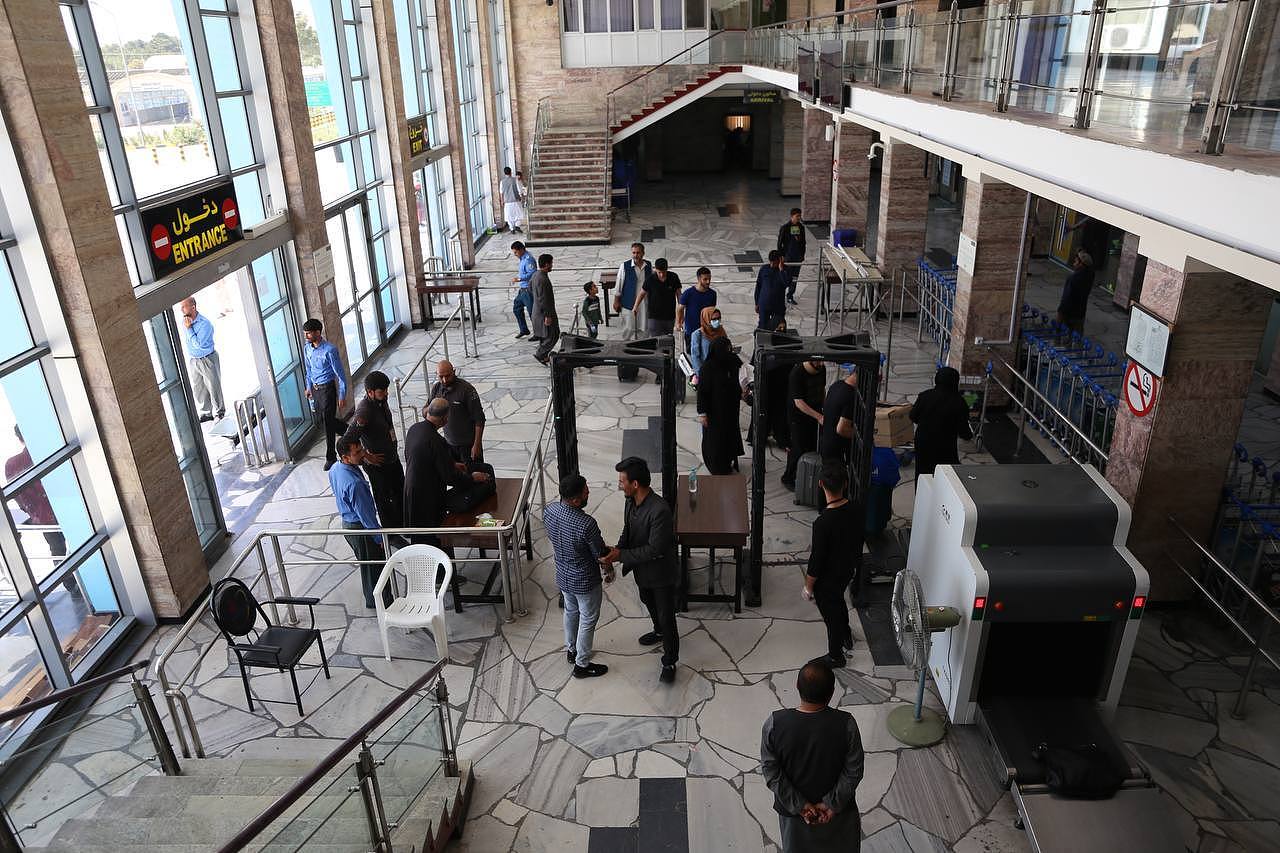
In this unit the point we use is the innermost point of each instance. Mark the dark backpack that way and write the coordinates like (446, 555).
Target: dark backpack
(1080, 772)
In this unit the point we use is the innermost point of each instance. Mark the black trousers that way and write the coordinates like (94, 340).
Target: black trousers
(793, 278)
(326, 400)
(463, 455)
(368, 548)
(387, 483)
(660, 601)
(465, 498)
(804, 439)
(835, 615)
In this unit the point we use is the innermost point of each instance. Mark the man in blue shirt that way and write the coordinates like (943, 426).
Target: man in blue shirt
(206, 373)
(326, 384)
(692, 301)
(524, 297)
(578, 546)
(355, 505)
(771, 292)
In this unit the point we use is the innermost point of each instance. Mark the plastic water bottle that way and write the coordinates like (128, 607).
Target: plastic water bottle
(693, 481)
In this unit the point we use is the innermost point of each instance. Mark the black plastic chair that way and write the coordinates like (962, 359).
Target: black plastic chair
(236, 611)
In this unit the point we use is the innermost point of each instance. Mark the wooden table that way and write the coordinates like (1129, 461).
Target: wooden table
(608, 281)
(441, 284)
(715, 517)
(502, 506)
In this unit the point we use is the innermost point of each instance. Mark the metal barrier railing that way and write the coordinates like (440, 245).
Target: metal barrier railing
(251, 423)
(509, 537)
(936, 287)
(49, 738)
(1043, 414)
(1252, 618)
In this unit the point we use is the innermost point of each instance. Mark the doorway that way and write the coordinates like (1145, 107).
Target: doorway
(228, 364)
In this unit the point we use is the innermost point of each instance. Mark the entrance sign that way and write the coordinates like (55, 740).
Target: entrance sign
(184, 231)
(759, 97)
(1148, 341)
(1140, 389)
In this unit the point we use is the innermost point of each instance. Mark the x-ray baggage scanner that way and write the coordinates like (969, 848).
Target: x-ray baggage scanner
(1035, 559)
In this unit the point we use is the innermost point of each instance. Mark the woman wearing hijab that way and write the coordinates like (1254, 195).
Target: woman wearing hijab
(709, 329)
(941, 416)
(719, 396)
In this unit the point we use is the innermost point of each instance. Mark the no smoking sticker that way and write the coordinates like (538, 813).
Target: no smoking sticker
(1140, 389)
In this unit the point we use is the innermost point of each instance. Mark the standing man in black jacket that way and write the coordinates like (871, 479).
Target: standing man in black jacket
(546, 323)
(1075, 293)
(791, 245)
(372, 427)
(435, 484)
(647, 548)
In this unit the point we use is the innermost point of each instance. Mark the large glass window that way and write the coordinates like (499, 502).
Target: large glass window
(60, 592)
(281, 328)
(167, 86)
(475, 152)
(501, 85)
(419, 51)
(338, 75)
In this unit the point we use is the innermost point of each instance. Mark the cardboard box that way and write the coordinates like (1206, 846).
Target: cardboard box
(893, 426)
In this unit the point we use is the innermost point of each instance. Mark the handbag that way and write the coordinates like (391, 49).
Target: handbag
(1079, 772)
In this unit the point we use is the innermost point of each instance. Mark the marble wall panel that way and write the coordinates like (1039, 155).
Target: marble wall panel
(852, 178)
(904, 207)
(816, 178)
(793, 144)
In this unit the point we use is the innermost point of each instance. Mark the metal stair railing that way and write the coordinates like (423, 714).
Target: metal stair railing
(541, 123)
(723, 47)
(53, 734)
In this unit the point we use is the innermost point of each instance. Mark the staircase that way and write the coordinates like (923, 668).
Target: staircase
(214, 798)
(569, 198)
(673, 92)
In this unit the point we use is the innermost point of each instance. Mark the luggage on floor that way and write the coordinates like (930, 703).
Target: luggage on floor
(879, 509)
(808, 492)
(628, 372)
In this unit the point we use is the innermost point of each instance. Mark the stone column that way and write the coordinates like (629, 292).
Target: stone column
(792, 147)
(453, 126)
(1173, 461)
(1128, 276)
(53, 141)
(852, 178)
(816, 161)
(904, 207)
(280, 57)
(400, 181)
(984, 306)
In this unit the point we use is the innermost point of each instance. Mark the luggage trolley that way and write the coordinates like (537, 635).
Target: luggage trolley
(1034, 558)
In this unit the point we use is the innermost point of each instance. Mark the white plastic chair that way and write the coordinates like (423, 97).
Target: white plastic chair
(423, 604)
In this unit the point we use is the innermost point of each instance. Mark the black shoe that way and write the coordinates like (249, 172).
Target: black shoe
(591, 670)
(544, 360)
(790, 485)
(835, 663)
(573, 656)
(220, 416)
(753, 600)
(650, 639)
(667, 675)
(522, 335)
(204, 419)
(534, 338)
(330, 464)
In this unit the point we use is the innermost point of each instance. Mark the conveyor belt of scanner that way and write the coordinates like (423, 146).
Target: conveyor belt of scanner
(1018, 724)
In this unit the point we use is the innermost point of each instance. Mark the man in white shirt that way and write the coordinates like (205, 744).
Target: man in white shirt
(631, 277)
(512, 205)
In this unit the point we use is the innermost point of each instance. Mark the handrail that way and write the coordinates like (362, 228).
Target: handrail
(1257, 642)
(540, 122)
(426, 353)
(173, 692)
(673, 58)
(76, 689)
(893, 4)
(315, 774)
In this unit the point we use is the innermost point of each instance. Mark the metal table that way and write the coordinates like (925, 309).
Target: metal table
(445, 283)
(714, 517)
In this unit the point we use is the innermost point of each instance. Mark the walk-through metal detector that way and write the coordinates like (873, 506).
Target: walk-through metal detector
(774, 350)
(653, 354)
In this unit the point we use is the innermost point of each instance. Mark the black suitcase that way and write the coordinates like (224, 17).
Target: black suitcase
(628, 372)
(808, 492)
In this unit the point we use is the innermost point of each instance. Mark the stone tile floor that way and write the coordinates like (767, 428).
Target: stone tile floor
(607, 764)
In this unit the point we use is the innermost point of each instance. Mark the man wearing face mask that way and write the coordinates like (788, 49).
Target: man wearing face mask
(465, 429)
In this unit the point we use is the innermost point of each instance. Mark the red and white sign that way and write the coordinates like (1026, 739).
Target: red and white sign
(230, 216)
(160, 243)
(1140, 387)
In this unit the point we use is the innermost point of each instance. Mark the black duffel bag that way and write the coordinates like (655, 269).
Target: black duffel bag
(1081, 772)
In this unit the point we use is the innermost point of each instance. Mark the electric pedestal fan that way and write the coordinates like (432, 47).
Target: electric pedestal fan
(913, 623)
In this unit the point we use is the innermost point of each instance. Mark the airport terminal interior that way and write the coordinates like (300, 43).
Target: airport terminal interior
(341, 342)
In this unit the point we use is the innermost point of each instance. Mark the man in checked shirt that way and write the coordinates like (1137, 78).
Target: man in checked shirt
(578, 546)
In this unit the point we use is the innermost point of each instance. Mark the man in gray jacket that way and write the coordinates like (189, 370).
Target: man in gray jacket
(647, 549)
(545, 321)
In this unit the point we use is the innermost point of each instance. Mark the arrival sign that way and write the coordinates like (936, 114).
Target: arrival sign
(182, 232)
